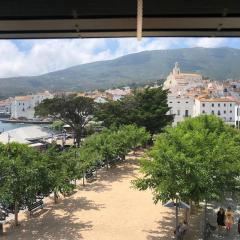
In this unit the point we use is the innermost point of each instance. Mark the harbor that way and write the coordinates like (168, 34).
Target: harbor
(6, 126)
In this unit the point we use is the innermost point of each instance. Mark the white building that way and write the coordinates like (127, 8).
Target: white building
(181, 107)
(5, 107)
(117, 94)
(237, 115)
(100, 100)
(178, 79)
(23, 106)
(221, 107)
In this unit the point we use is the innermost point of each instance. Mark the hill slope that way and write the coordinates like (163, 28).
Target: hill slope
(148, 66)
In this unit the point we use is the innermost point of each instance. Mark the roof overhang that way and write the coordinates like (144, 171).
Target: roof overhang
(118, 18)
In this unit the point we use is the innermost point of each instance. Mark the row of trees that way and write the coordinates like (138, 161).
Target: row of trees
(26, 173)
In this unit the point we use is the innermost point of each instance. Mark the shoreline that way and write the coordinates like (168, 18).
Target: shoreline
(25, 121)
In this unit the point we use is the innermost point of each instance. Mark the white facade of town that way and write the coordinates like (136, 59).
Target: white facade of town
(5, 107)
(190, 96)
(23, 106)
(181, 107)
(221, 107)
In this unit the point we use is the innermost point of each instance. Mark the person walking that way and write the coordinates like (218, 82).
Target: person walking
(221, 218)
(229, 219)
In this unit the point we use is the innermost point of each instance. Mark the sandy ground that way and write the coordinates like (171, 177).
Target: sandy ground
(107, 209)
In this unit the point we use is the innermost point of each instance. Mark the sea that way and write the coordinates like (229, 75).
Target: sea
(10, 126)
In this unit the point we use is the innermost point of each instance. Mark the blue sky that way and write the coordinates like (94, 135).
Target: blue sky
(35, 57)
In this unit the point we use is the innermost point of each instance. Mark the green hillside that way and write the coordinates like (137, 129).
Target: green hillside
(143, 67)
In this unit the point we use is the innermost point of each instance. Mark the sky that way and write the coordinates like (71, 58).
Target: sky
(36, 57)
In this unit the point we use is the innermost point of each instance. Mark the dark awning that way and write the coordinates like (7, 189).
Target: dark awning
(117, 18)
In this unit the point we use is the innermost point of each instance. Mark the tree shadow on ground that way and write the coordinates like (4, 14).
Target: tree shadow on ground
(58, 222)
(165, 230)
(96, 186)
(166, 227)
(125, 169)
(195, 225)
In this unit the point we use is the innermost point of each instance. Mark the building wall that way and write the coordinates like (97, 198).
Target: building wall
(181, 107)
(237, 115)
(225, 110)
(24, 106)
(5, 109)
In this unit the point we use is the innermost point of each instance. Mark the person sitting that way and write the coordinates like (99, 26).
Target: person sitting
(181, 230)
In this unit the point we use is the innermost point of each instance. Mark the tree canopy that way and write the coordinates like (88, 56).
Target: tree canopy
(72, 110)
(146, 107)
(198, 159)
(23, 176)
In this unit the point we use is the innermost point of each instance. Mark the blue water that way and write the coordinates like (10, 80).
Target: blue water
(9, 126)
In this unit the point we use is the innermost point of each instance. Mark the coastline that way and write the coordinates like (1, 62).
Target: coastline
(25, 121)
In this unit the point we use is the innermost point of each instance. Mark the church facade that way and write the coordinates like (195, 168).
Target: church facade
(178, 79)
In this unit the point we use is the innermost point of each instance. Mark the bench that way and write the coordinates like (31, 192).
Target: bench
(35, 206)
(2, 216)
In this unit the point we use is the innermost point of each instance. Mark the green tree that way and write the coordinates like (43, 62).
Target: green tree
(61, 171)
(197, 160)
(57, 125)
(146, 107)
(116, 142)
(72, 110)
(22, 174)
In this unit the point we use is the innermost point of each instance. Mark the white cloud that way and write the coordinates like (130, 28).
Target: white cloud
(206, 42)
(49, 55)
(35, 57)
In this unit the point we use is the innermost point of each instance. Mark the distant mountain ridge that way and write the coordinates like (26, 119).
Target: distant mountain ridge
(148, 66)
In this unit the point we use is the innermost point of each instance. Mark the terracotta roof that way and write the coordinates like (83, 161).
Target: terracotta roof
(189, 74)
(204, 99)
(23, 98)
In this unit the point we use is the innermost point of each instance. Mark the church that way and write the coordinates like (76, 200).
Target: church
(178, 79)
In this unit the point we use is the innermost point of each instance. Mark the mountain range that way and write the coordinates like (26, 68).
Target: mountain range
(133, 69)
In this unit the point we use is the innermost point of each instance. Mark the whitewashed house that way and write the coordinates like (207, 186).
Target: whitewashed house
(237, 115)
(181, 107)
(117, 94)
(5, 107)
(222, 107)
(23, 106)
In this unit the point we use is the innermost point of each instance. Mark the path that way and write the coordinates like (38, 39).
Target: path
(106, 209)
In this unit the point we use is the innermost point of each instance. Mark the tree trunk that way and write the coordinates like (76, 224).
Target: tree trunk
(78, 137)
(1, 229)
(191, 207)
(55, 197)
(176, 216)
(83, 179)
(16, 213)
(187, 215)
(205, 220)
(107, 163)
